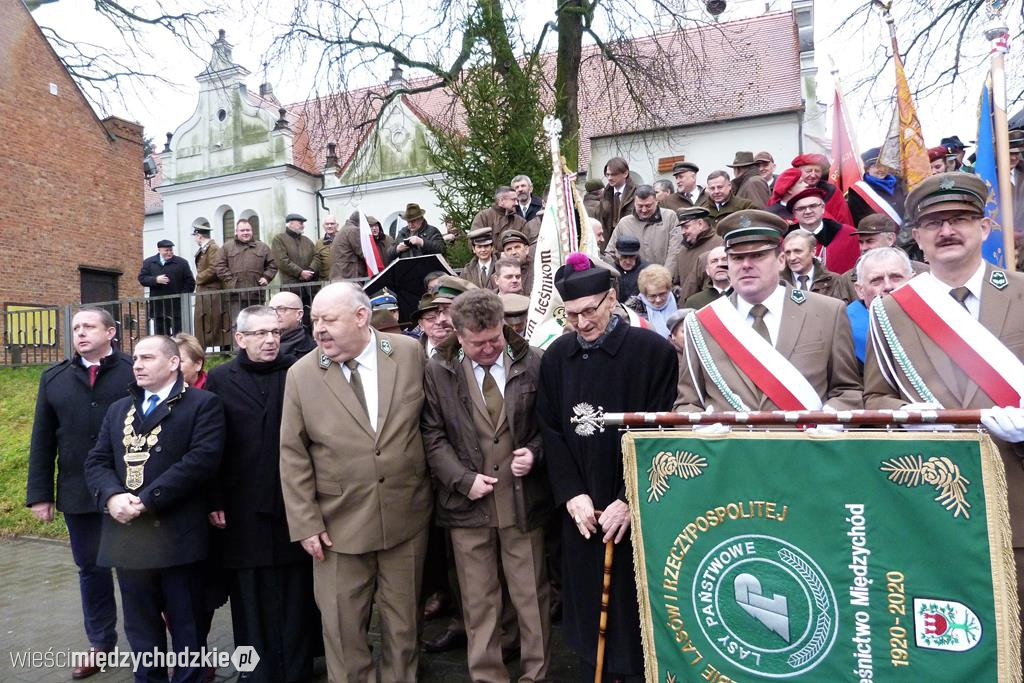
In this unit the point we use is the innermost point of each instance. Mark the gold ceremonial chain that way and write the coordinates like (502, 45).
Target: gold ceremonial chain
(136, 451)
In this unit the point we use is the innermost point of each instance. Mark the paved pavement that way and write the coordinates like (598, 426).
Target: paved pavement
(40, 609)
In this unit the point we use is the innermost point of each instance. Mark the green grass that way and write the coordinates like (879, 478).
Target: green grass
(18, 388)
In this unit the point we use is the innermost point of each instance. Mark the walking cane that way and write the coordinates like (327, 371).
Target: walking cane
(609, 551)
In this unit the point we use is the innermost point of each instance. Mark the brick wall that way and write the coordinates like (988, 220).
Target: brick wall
(70, 184)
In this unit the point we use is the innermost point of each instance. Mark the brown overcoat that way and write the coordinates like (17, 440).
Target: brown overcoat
(498, 220)
(688, 269)
(814, 336)
(210, 322)
(242, 264)
(293, 254)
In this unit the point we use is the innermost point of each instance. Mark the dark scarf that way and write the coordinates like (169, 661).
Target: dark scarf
(886, 184)
(655, 217)
(269, 378)
(297, 236)
(613, 322)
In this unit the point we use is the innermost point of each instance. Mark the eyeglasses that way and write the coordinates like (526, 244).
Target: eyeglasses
(262, 333)
(811, 207)
(956, 222)
(588, 312)
(279, 309)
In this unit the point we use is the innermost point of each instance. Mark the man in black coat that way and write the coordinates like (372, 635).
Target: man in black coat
(157, 452)
(166, 274)
(73, 397)
(598, 365)
(418, 238)
(296, 342)
(272, 605)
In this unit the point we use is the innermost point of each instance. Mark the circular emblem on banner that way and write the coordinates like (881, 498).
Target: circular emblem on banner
(765, 605)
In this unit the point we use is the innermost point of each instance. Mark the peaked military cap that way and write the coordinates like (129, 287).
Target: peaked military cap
(947, 192)
(752, 230)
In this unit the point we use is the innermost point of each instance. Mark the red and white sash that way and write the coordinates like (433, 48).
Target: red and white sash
(768, 369)
(371, 253)
(969, 345)
(875, 200)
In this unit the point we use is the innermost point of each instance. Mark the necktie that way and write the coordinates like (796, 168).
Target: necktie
(802, 279)
(757, 312)
(150, 405)
(492, 397)
(94, 371)
(483, 274)
(960, 294)
(357, 383)
(689, 197)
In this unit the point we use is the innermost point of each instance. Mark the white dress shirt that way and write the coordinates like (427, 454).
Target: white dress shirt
(773, 318)
(497, 372)
(976, 285)
(88, 363)
(367, 363)
(162, 395)
(809, 275)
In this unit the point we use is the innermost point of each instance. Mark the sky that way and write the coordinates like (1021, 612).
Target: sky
(251, 25)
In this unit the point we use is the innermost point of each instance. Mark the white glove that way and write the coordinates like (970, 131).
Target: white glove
(828, 429)
(1006, 423)
(716, 428)
(925, 427)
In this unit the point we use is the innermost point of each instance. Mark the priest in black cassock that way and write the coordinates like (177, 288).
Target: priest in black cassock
(621, 368)
(272, 605)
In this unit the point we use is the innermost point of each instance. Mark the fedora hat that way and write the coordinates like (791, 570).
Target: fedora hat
(412, 212)
(742, 159)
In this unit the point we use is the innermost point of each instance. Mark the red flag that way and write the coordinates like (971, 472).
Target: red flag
(846, 163)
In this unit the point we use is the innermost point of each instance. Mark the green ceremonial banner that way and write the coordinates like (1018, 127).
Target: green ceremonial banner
(854, 557)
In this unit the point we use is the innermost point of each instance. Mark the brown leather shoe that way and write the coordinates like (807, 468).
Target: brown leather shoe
(88, 668)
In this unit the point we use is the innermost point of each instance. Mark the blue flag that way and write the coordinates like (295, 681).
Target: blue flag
(985, 166)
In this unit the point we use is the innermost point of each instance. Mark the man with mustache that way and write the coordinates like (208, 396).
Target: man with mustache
(978, 304)
(699, 237)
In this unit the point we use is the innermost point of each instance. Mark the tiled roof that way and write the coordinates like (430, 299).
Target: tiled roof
(740, 69)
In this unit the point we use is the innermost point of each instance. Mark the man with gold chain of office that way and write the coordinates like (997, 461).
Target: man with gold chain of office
(953, 338)
(767, 346)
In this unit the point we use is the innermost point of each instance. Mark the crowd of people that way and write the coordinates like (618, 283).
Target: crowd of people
(319, 477)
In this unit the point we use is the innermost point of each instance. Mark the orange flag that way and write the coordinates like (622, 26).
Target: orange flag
(846, 163)
(913, 153)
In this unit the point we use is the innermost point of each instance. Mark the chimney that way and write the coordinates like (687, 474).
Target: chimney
(397, 80)
(332, 155)
(167, 145)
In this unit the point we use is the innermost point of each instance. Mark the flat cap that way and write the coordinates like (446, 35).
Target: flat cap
(689, 213)
(627, 245)
(449, 287)
(752, 230)
(514, 304)
(681, 166)
(513, 236)
(294, 217)
(579, 277)
(481, 236)
(947, 192)
(764, 156)
(593, 185)
(163, 244)
(875, 224)
(676, 317)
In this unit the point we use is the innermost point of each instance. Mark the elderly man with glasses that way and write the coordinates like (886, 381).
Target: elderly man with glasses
(602, 362)
(296, 342)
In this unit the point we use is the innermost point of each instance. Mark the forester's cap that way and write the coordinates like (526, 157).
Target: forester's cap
(294, 217)
(752, 230)
(947, 192)
(682, 166)
(481, 236)
(689, 213)
(510, 236)
(1016, 139)
(579, 277)
(163, 244)
(876, 224)
(383, 300)
(515, 304)
(449, 287)
(627, 245)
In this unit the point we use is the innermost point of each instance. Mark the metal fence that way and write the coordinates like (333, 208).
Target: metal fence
(43, 335)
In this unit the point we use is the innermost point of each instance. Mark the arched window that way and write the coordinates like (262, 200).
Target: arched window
(254, 221)
(228, 222)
